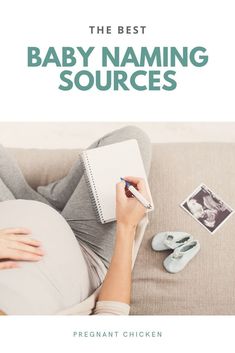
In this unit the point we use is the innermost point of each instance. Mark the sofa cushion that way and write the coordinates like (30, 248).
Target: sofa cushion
(207, 284)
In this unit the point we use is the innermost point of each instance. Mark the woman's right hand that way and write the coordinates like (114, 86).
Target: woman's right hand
(129, 211)
(17, 245)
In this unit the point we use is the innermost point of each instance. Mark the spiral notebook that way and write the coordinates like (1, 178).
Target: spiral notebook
(103, 168)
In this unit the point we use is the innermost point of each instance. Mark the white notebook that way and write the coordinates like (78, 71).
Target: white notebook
(103, 168)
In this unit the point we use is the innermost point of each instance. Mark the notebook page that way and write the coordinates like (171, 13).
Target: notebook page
(108, 164)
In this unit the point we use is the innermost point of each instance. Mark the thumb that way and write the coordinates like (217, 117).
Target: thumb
(120, 191)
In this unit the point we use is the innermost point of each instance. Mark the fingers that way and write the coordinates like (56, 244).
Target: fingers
(17, 244)
(140, 183)
(120, 191)
(121, 186)
(17, 250)
(133, 179)
(20, 255)
(26, 248)
(4, 265)
(17, 231)
(25, 240)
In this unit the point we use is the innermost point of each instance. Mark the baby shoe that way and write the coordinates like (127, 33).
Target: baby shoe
(170, 240)
(181, 256)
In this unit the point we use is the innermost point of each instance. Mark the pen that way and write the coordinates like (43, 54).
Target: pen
(137, 195)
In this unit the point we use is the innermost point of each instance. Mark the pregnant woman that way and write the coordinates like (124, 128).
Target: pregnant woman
(54, 255)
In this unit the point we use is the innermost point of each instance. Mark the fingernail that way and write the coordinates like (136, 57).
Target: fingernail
(38, 258)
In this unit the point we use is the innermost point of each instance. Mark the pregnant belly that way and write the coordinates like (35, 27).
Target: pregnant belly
(60, 279)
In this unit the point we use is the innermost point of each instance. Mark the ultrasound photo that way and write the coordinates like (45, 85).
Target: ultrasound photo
(207, 208)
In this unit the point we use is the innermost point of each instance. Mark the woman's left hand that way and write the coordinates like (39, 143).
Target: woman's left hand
(16, 244)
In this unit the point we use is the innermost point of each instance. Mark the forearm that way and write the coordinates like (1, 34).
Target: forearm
(117, 283)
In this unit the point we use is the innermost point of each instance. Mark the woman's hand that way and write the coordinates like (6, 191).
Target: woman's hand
(129, 211)
(16, 244)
